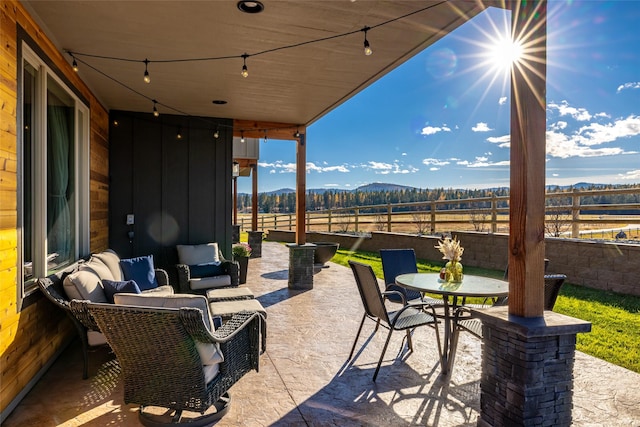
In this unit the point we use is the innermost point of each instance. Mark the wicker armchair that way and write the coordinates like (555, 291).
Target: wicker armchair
(230, 269)
(52, 288)
(161, 366)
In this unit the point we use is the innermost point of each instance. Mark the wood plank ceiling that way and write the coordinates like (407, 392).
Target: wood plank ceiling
(295, 85)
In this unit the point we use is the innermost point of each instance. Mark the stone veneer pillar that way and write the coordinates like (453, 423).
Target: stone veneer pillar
(527, 368)
(301, 266)
(255, 241)
(235, 233)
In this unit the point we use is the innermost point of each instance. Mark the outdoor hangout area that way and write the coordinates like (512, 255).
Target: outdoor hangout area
(305, 377)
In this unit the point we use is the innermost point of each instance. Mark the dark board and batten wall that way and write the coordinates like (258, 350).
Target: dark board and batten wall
(179, 190)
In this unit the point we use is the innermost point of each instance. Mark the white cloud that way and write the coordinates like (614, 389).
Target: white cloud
(503, 141)
(580, 114)
(379, 166)
(482, 162)
(558, 125)
(631, 85)
(634, 175)
(435, 162)
(332, 185)
(280, 167)
(502, 100)
(404, 154)
(481, 127)
(564, 146)
(434, 169)
(431, 130)
(596, 134)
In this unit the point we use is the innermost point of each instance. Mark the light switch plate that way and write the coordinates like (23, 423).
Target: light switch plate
(130, 219)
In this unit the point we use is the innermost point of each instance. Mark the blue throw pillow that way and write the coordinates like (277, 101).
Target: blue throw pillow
(206, 270)
(112, 287)
(141, 270)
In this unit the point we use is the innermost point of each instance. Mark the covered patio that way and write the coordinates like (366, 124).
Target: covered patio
(305, 380)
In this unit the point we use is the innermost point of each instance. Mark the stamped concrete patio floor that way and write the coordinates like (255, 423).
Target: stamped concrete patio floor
(305, 380)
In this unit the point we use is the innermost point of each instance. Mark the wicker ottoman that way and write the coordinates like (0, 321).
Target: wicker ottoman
(229, 294)
(226, 309)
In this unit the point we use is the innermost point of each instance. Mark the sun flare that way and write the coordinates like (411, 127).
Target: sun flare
(504, 52)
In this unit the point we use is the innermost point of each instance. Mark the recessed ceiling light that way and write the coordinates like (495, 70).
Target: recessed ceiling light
(219, 101)
(250, 6)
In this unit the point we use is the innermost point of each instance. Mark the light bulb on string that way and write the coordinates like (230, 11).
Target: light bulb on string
(297, 134)
(242, 136)
(179, 133)
(147, 78)
(75, 65)
(367, 47)
(245, 71)
(155, 110)
(265, 136)
(216, 134)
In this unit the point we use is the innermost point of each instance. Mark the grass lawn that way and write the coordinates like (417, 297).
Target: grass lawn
(615, 318)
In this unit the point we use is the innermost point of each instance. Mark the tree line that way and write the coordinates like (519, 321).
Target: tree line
(334, 199)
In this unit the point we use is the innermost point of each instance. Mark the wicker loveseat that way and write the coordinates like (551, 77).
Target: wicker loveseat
(83, 280)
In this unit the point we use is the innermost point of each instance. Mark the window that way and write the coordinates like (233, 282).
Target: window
(53, 152)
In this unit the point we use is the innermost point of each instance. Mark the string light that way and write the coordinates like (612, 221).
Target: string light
(245, 71)
(367, 48)
(147, 78)
(242, 136)
(216, 134)
(265, 136)
(179, 134)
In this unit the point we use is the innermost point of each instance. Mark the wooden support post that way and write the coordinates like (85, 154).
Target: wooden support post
(254, 197)
(528, 132)
(389, 217)
(575, 215)
(235, 199)
(301, 189)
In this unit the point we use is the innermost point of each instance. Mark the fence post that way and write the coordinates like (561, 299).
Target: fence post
(308, 219)
(494, 214)
(275, 222)
(575, 215)
(433, 217)
(356, 211)
(290, 221)
(389, 217)
(329, 221)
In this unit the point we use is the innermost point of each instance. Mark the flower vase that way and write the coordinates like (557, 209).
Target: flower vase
(453, 271)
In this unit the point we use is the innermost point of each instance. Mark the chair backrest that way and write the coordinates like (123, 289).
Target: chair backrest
(369, 290)
(552, 285)
(394, 263)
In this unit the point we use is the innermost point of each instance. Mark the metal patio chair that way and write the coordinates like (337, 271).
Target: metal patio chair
(406, 319)
(402, 261)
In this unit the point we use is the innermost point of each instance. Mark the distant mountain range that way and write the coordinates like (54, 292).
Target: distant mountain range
(380, 186)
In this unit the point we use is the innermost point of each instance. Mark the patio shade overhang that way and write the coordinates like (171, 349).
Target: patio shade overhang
(295, 85)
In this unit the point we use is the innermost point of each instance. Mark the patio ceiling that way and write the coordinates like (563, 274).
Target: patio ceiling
(296, 85)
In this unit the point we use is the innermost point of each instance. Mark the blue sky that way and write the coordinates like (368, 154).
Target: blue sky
(442, 118)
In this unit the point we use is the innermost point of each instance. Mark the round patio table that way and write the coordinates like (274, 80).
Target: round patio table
(454, 296)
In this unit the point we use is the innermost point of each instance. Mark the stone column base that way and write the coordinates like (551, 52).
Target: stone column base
(527, 368)
(301, 266)
(255, 241)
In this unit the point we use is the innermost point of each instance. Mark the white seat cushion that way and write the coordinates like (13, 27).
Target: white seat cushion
(84, 285)
(98, 267)
(210, 354)
(198, 254)
(210, 282)
(112, 261)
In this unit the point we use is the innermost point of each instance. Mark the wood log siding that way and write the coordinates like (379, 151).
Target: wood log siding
(31, 337)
